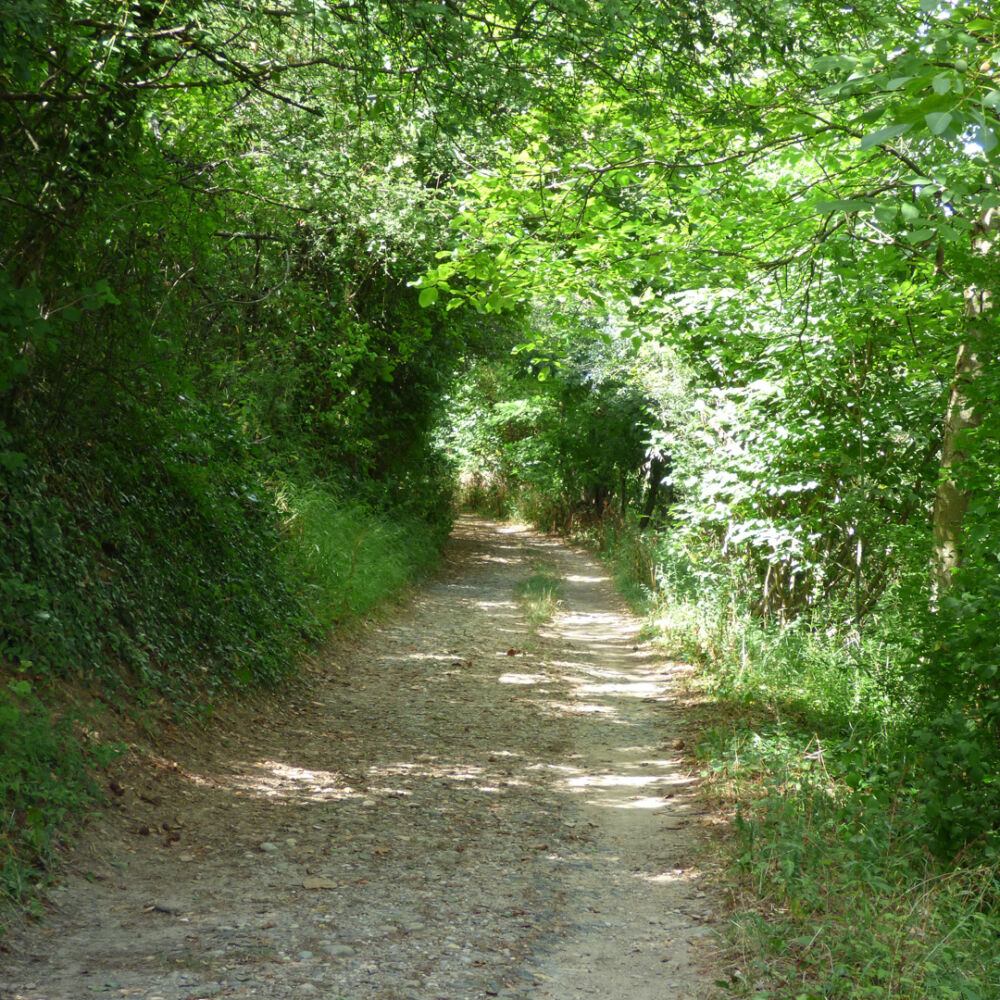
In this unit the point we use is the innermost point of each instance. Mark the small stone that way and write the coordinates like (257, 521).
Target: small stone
(169, 906)
(335, 950)
(268, 847)
(305, 955)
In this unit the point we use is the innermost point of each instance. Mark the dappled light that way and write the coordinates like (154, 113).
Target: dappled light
(459, 791)
(275, 779)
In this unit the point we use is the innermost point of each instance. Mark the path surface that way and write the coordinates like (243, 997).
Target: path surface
(453, 807)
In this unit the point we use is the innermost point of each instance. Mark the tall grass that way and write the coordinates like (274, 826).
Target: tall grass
(835, 897)
(540, 595)
(348, 558)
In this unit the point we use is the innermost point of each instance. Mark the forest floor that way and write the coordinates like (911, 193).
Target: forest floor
(450, 805)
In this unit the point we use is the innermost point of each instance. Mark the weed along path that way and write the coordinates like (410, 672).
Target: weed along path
(455, 805)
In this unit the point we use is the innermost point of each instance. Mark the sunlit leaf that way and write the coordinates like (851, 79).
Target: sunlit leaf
(941, 83)
(938, 121)
(842, 205)
(885, 134)
(986, 138)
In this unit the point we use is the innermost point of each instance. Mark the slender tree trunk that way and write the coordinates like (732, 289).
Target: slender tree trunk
(657, 468)
(952, 498)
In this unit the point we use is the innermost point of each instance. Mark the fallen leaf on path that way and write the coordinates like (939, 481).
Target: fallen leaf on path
(318, 883)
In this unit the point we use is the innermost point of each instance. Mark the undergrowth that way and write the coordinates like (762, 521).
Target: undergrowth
(837, 894)
(45, 780)
(346, 557)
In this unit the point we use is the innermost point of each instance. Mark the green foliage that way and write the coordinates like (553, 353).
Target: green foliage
(126, 572)
(808, 735)
(210, 234)
(561, 433)
(347, 558)
(846, 904)
(247, 251)
(45, 781)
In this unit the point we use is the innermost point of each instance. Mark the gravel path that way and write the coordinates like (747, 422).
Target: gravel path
(453, 806)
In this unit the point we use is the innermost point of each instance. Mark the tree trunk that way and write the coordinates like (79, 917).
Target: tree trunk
(655, 478)
(952, 498)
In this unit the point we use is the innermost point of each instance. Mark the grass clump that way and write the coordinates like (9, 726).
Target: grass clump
(835, 896)
(347, 557)
(540, 595)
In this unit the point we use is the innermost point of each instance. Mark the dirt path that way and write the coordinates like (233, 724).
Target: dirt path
(453, 808)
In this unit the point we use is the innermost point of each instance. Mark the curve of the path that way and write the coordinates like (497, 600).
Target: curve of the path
(454, 806)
